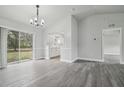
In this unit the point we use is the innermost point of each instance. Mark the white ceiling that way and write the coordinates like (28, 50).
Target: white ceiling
(54, 13)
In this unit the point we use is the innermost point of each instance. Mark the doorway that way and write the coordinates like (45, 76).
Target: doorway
(19, 46)
(54, 45)
(111, 44)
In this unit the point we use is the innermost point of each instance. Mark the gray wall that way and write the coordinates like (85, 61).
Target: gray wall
(91, 28)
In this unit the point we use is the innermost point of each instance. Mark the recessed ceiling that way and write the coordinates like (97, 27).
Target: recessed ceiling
(54, 13)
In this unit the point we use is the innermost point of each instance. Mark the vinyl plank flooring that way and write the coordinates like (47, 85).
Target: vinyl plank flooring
(53, 73)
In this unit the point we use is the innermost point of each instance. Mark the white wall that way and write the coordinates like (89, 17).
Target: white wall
(0, 50)
(69, 27)
(66, 50)
(74, 40)
(63, 26)
(39, 44)
(111, 42)
(91, 28)
(3, 44)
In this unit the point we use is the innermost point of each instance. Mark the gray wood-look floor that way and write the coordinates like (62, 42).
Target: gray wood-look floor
(54, 73)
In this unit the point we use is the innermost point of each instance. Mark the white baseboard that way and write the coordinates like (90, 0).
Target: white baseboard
(39, 58)
(1, 67)
(91, 59)
(111, 54)
(74, 60)
(68, 61)
(47, 58)
(78, 58)
(122, 62)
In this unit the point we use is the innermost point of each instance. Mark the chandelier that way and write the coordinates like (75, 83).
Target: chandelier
(36, 21)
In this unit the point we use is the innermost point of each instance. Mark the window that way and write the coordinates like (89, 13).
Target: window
(19, 46)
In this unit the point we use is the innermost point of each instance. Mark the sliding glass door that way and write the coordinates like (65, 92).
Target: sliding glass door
(13, 46)
(19, 46)
(25, 46)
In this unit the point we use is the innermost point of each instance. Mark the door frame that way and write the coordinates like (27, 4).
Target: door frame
(111, 29)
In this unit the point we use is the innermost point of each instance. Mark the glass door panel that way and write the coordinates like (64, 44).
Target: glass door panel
(13, 46)
(25, 46)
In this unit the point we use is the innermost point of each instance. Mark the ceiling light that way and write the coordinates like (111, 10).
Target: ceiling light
(36, 21)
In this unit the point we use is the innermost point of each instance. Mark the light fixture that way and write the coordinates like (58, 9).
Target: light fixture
(37, 21)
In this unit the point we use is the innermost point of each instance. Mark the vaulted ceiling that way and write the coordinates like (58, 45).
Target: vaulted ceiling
(54, 13)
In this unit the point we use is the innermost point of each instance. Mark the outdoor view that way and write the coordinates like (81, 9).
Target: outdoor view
(19, 46)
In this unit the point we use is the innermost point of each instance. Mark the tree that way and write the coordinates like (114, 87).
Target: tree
(25, 40)
(13, 40)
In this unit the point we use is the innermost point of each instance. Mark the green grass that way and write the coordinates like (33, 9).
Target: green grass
(14, 55)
